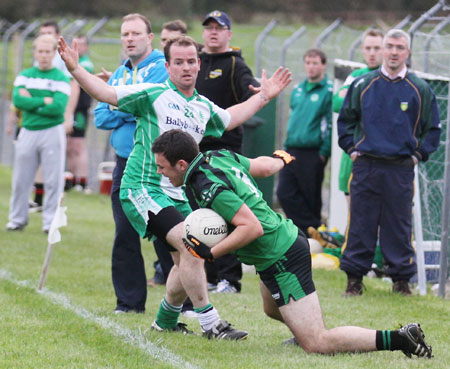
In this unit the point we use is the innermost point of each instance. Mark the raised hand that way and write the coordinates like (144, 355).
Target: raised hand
(68, 54)
(271, 87)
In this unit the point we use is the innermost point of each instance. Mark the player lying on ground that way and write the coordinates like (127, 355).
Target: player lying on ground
(152, 205)
(222, 181)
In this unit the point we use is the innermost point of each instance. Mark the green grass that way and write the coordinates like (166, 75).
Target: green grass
(38, 331)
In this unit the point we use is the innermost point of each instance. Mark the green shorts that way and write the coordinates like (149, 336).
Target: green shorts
(138, 202)
(291, 276)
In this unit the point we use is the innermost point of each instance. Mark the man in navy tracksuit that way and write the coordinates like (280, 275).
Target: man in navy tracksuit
(388, 123)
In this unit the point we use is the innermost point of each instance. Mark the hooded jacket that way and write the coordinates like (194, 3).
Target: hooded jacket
(224, 79)
(151, 70)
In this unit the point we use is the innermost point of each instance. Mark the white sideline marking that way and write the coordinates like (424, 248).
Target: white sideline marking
(136, 339)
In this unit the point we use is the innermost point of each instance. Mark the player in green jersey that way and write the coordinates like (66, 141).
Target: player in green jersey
(151, 203)
(222, 180)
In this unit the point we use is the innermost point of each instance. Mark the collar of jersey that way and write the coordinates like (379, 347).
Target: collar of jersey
(173, 87)
(194, 164)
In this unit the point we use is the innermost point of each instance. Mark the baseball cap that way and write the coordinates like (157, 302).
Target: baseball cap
(220, 17)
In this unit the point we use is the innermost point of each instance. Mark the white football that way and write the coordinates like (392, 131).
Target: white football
(206, 225)
(314, 246)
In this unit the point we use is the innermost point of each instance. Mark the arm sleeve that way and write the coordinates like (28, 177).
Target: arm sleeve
(429, 138)
(57, 107)
(26, 103)
(325, 148)
(349, 117)
(243, 77)
(227, 203)
(107, 117)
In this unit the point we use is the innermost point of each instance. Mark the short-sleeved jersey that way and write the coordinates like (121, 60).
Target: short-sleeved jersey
(159, 108)
(220, 180)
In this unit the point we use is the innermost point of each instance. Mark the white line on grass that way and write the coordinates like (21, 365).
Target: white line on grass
(136, 339)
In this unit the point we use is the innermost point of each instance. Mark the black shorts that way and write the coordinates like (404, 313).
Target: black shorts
(160, 224)
(290, 276)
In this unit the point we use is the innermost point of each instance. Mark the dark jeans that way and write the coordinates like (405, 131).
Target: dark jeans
(128, 271)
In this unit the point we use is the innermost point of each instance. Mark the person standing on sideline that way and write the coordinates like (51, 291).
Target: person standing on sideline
(77, 153)
(372, 50)
(264, 238)
(308, 139)
(224, 78)
(144, 64)
(172, 29)
(388, 123)
(152, 204)
(41, 93)
(52, 28)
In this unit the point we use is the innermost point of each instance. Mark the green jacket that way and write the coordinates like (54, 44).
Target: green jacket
(337, 100)
(309, 124)
(40, 84)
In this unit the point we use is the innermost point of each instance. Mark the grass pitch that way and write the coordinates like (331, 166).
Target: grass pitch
(71, 323)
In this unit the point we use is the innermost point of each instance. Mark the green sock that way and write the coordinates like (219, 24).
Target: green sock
(167, 316)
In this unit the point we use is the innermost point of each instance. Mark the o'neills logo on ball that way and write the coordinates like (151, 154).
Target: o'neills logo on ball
(214, 231)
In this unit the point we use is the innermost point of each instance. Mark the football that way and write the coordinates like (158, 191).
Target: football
(206, 225)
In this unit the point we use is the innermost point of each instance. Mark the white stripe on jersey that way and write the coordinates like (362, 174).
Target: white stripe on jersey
(43, 84)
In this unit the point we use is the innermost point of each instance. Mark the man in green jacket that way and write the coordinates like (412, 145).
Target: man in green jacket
(41, 93)
(308, 138)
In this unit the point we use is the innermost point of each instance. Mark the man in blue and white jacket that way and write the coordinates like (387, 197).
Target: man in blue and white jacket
(144, 64)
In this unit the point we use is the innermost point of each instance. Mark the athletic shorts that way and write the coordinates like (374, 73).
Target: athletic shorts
(142, 204)
(80, 124)
(290, 276)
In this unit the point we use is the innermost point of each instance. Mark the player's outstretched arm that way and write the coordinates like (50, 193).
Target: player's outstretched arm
(266, 166)
(269, 89)
(93, 85)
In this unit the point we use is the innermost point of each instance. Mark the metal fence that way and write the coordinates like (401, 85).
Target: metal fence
(276, 44)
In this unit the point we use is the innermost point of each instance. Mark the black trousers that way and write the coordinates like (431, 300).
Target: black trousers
(300, 188)
(128, 271)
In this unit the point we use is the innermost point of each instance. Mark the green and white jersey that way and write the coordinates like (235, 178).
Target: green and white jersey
(220, 180)
(37, 115)
(159, 108)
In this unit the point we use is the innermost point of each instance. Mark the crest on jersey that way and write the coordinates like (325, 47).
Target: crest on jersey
(215, 73)
(314, 97)
(404, 106)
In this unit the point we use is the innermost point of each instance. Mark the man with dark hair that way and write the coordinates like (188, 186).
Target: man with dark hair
(308, 138)
(144, 64)
(225, 79)
(171, 30)
(223, 181)
(152, 204)
(388, 123)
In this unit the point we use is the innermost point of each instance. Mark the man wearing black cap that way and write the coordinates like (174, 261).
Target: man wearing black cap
(224, 78)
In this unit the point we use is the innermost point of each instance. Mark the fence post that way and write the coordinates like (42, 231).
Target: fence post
(326, 32)
(439, 27)
(30, 28)
(443, 262)
(258, 45)
(97, 26)
(280, 126)
(5, 40)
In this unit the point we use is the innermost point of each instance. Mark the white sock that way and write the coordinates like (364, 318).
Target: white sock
(207, 318)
